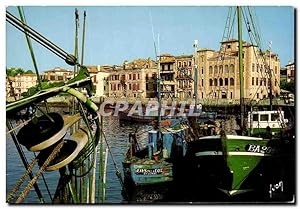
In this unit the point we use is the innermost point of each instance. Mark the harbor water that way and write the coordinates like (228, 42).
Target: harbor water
(116, 133)
(117, 137)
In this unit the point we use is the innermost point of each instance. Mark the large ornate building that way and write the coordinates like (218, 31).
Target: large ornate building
(220, 78)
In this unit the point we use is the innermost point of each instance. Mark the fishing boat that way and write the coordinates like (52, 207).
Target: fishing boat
(154, 163)
(239, 164)
(259, 121)
(166, 146)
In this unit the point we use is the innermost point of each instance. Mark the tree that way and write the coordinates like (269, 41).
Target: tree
(289, 86)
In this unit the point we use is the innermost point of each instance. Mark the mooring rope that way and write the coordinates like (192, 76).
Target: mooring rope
(11, 195)
(40, 171)
(19, 126)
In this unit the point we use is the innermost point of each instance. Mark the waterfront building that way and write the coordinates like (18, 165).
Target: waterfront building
(19, 84)
(99, 75)
(168, 74)
(185, 77)
(57, 74)
(288, 72)
(220, 72)
(133, 79)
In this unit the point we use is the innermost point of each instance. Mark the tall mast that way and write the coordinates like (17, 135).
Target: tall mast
(158, 91)
(195, 74)
(240, 38)
(270, 74)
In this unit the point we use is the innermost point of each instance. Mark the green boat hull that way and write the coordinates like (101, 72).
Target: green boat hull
(148, 172)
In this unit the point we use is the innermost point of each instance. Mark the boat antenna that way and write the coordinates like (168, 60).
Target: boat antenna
(156, 50)
(241, 68)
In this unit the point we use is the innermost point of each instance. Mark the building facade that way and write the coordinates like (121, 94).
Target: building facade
(57, 74)
(219, 76)
(134, 79)
(185, 77)
(99, 76)
(19, 84)
(290, 72)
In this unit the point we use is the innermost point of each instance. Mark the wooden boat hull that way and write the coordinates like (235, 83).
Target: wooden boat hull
(234, 164)
(148, 172)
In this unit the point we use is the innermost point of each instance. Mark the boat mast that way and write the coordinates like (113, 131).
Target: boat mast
(270, 74)
(195, 74)
(158, 91)
(241, 67)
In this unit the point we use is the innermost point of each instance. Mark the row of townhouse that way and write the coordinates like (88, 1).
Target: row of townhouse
(217, 75)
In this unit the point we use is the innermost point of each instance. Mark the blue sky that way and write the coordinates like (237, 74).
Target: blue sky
(115, 34)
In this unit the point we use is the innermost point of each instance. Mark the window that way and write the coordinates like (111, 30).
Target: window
(190, 63)
(179, 64)
(184, 64)
(275, 69)
(129, 76)
(226, 69)
(256, 81)
(134, 77)
(216, 69)
(253, 67)
(264, 117)
(274, 116)
(215, 82)
(138, 76)
(252, 81)
(257, 95)
(231, 82)
(202, 82)
(231, 95)
(210, 82)
(130, 86)
(202, 59)
(210, 70)
(202, 70)
(231, 68)
(221, 82)
(255, 117)
(221, 69)
(228, 46)
(226, 81)
(257, 68)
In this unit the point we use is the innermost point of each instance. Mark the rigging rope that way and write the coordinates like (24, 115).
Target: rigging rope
(40, 171)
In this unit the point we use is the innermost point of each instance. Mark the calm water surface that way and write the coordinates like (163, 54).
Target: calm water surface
(117, 137)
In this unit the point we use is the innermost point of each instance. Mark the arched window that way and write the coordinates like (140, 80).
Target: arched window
(220, 69)
(226, 81)
(210, 82)
(221, 82)
(231, 68)
(215, 82)
(210, 69)
(215, 69)
(231, 82)
(226, 69)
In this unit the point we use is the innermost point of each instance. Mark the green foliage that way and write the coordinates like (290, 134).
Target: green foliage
(15, 71)
(29, 72)
(289, 86)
